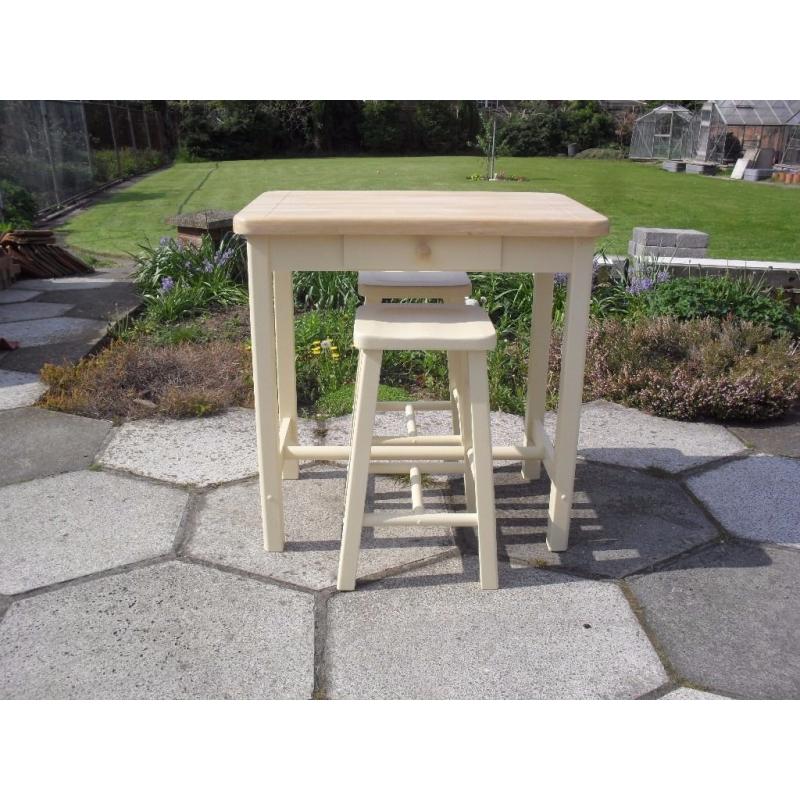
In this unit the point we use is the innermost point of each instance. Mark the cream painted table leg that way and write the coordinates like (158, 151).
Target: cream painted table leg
(262, 337)
(570, 395)
(287, 382)
(538, 357)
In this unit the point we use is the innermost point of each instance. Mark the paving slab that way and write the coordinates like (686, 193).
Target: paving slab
(755, 497)
(202, 451)
(20, 312)
(31, 333)
(609, 433)
(227, 528)
(685, 693)
(433, 633)
(17, 295)
(617, 435)
(507, 429)
(107, 303)
(726, 618)
(58, 528)
(781, 437)
(622, 521)
(97, 281)
(32, 359)
(37, 443)
(19, 389)
(166, 631)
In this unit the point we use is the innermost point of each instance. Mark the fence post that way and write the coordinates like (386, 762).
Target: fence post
(114, 140)
(43, 112)
(88, 140)
(130, 125)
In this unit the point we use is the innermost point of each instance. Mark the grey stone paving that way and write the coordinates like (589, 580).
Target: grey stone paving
(18, 312)
(100, 280)
(610, 433)
(780, 437)
(108, 302)
(227, 529)
(54, 529)
(692, 694)
(37, 443)
(727, 618)
(723, 618)
(17, 295)
(19, 389)
(189, 451)
(756, 497)
(170, 630)
(433, 633)
(31, 333)
(622, 521)
(631, 438)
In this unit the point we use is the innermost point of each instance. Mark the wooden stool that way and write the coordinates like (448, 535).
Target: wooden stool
(467, 333)
(451, 287)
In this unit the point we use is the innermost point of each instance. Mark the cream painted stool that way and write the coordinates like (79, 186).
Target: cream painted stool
(451, 287)
(467, 333)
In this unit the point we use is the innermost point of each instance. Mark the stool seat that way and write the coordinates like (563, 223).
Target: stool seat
(423, 326)
(423, 278)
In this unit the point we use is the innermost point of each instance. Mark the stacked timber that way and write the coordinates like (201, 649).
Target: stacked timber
(36, 255)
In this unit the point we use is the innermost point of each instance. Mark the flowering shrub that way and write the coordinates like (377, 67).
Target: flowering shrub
(697, 369)
(178, 280)
(698, 297)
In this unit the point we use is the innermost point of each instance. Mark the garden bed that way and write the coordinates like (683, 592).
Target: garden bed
(686, 348)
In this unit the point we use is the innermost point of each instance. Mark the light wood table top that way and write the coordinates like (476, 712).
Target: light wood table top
(412, 213)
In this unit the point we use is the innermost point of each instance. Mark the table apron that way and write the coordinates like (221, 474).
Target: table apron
(412, 253)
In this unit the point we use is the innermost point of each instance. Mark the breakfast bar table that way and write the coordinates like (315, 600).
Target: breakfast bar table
(532, 232)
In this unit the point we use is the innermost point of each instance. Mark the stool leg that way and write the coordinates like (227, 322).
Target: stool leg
(483, 467)
(369, 368)
(453, 406)
(541, 331)
(462, 387)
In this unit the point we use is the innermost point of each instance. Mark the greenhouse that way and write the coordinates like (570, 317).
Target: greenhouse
(724, 129)
(663, 133)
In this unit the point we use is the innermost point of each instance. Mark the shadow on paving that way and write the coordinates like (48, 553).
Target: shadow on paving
(623, 521)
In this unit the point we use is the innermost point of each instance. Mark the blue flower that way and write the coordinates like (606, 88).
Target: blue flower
(208, 266)
(167, 285)
(165, 241)
(640, 284)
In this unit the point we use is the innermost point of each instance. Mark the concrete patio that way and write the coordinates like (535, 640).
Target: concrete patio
(131, 566)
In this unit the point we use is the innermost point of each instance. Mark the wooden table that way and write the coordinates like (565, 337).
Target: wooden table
(532, 232)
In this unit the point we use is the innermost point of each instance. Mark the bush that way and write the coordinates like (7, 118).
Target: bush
(385, 127)
(699, 369)
(537, 129)
(719, 298)
(141, 379)
(18, 205)
(178, 281)
(437, 128)
(588, 124)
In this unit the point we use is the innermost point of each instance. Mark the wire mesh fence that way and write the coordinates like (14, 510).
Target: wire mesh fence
(61, 149)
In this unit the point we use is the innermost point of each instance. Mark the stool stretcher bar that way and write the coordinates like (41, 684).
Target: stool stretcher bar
(412, 453)
(457, 520)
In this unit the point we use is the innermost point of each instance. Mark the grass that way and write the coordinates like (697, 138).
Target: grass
(745, 220)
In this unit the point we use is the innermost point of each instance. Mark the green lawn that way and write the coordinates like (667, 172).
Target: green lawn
(745, 220)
